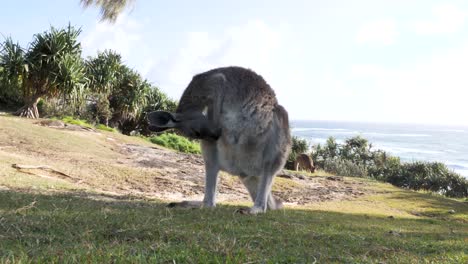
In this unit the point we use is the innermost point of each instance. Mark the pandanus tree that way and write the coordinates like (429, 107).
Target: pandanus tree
(12, 70)
(119, 94)
(54, 68)
(103, 71)
(128, 98)
(156, 100)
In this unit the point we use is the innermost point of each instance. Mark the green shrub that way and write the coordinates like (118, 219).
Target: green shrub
(176, 142)
(298, 146)
(79, 122)
(345, 168)
(430, 176)
(355, 157)
(330, 150)
(105, 128)
(384, 166)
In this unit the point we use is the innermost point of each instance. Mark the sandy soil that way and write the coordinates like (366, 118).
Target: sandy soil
(183, 179)
(153, 171)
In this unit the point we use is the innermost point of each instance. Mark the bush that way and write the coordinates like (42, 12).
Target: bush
(430, 176)
(326, 152)
(79, 122)
(345, 168)
(298, 146)
(176, 142)
(105, 128)
(357, 158)
(53, 107)
(384, 167)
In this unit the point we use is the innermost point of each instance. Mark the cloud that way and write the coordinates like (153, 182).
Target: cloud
(431, 91)
(125, 36)
(368, 70)
(380, 32)
(252, 45)
(447, 18)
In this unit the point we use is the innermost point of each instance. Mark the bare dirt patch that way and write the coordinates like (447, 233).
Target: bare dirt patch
(113, 163)
(182, 178)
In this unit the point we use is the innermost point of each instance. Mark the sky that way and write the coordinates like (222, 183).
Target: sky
(397, 61)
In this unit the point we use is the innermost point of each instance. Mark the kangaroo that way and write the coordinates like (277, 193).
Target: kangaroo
(304, 162)
(242, 129)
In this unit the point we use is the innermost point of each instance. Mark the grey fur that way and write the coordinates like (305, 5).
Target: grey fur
(244, 132)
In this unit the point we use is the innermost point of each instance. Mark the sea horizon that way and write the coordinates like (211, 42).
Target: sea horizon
(380, 122)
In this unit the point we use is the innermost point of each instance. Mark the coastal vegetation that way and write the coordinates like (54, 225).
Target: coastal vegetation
(50, 78)
(357, 157)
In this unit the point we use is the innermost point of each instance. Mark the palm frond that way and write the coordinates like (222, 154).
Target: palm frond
(110, 9)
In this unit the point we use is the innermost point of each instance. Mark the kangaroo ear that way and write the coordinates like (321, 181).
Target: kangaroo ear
(160, 121)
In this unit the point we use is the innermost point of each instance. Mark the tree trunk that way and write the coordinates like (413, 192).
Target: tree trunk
(29, 110)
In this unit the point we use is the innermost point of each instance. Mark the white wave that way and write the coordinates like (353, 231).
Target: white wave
(347, 131)
(457, 166)
(401, 150)
(315, 141)
(463, 173)
(317, 129)
(395, 135)
(452, 130)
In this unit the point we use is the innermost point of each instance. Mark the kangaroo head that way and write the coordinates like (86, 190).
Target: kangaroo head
(161, 120)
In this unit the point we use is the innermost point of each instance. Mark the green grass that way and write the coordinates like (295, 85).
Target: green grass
(73, 227)
(176, 142)
(105, 128)
(79, 122)
(84, 123)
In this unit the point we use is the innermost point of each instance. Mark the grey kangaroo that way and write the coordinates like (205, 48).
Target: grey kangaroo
(242, 128)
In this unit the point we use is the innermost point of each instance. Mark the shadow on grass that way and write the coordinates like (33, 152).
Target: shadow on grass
(83, 227)
(432, 201)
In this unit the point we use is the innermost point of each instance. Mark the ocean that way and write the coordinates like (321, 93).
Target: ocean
(410, 142)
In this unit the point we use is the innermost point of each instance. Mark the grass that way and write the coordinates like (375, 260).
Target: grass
(79, 122)
(78, 227)
(176, 142)
(52, 220)
(84, 123)
(87, 156)
(105, 128)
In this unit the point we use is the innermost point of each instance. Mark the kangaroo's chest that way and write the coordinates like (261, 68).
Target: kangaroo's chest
(239, 159)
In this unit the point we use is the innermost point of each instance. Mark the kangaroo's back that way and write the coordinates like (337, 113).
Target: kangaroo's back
(238, 100)
(304, 162)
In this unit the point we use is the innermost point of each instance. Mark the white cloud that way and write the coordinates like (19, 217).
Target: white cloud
(432, 91)
(379, 32)
(120, 36)
(252, 45)
(368, 70)
(447, 19)
(125, 36)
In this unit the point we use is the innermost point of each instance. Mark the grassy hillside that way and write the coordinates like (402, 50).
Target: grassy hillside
(103, 200)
